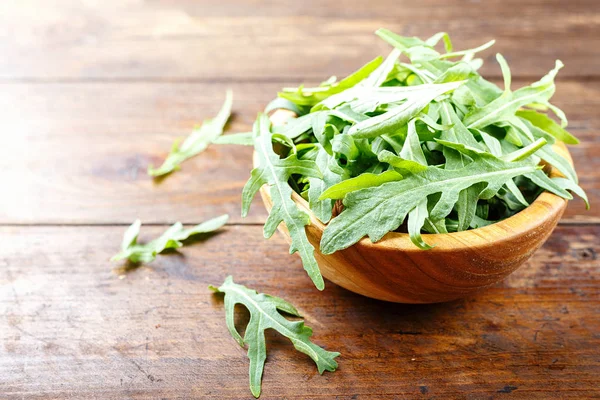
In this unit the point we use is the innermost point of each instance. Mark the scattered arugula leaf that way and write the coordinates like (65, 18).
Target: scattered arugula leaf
(196, 142)
(170, 239)
(265, 314)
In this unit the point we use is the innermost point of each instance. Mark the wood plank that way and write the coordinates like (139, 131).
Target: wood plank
(71, 327)
(237, 39)
(78, 153)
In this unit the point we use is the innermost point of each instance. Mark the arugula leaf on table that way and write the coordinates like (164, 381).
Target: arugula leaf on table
(275, 172)
(170, 239)
(265, 314)
(196, 142)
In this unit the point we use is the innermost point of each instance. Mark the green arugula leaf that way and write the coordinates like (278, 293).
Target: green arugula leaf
(366, 180)
(196, 142)
(403, 164)
(367, 99)
(394, 119)
(509, 102)
(279, 103)
(380, 75)
(546, 124)
(264, 314)
(378, 210)
(418, 216)
(400, 42)
(275, 173)
(467, 198)
(243, 139)
(170, 239)
(322, 208)
(310, 96)
(567, 184)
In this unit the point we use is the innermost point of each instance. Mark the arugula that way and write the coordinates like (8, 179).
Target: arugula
(242, 138)
(275, 173)
(378, 210)
(265, 314)
(322, 207)
(302, 96)
(426, 145)
(196, 142)
(397, 117)
(170, 239)
(509, 102)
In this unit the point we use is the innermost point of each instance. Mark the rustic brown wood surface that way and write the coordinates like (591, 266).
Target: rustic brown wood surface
(72, 327)
(93, 91)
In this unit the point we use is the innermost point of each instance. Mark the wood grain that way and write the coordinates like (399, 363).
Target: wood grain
(70, 327)
(78, 153)
(93, 91)
(271, 40)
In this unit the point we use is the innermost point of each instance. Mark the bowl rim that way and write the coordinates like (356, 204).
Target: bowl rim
(547, 204)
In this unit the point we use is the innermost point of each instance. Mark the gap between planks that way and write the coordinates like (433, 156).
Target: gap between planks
(590, 222)
(224, 80)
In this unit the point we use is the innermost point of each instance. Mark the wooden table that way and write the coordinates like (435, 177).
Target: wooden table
(94, 91)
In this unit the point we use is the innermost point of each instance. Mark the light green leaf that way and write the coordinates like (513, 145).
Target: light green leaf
(432, 41)
(322, 207)
(546, 124)
(483, 47)
(302, 96)
(379, 76)
(243, 139)
(416, 219)
(403, 164)
(378, 210)
(506, 75)
(467, 199)
(197, 142)
(264, 314)
(170, 239)
(507, 105)
(362, 181)
(274, 172)
(278, 103)
(456, 73)
(399, 42)
(391, 121)
(568, 184)
(419, 215)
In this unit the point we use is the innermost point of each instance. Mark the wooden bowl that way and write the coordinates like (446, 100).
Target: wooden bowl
(461, 263)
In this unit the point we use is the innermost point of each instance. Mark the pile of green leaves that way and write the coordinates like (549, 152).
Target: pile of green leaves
(418, 142)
